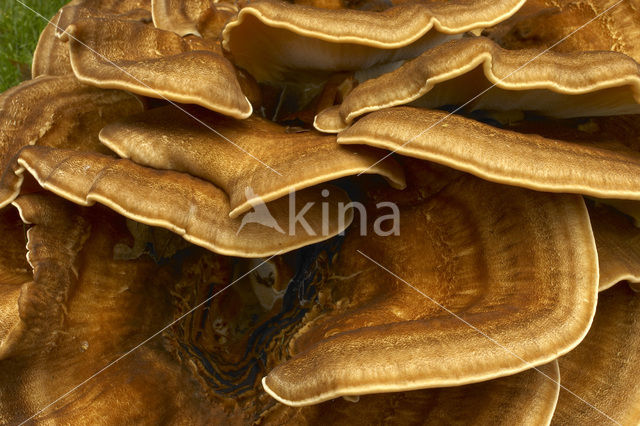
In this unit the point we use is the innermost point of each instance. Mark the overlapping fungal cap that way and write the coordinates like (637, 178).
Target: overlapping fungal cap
(462, 73)
(618, 243)
(540, 24)
(195, 17)
(527, 398)
(77, 10)
(193, 208)
(603, 370)
(253, 154)
(276, 41)
(482, 281)
(75, 318)
(58, 112)
(51, 56)
(130, 55)
(605, 169)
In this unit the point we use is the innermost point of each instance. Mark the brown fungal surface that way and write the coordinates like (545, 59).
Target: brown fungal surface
(609, 355)
(479, 75)
(14, 271)
(541, 24)
(273, 40)
(607, 169)
(480, 250)
(190, 207)
(76, 288)
(129, 55)
(51, 56)
(527, 398)
(202, 18)
(183, 247)
(167, 138)
(58, 112)
(618, 242)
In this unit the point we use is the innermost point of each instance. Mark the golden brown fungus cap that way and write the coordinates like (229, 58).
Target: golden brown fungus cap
(604, 369)
(202, 18)
(76, 290)
(188, 206)
(167, 138)
(527, 398)
(58, 112)
(132, 56)
(540, 24)
(618, 243)
(516, 265)
(462, 72)
(51, 56)
(606, 170)
(273, 40)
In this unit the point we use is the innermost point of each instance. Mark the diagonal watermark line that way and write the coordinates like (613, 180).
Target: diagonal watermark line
(490, 87)
(62, 30)
(130, 351)
(492, 340)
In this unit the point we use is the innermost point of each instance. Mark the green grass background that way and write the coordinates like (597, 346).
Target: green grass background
(19, 31)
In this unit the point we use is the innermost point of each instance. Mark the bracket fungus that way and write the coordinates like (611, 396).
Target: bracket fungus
(323, 211)
(167, 138)
(478, 251)
(51, 56)
(540, 24)
(605, 170)
(610, 355)
(272, 40)
(201, 18)
(477, 74)
(57, 112)
(186, 205)
(618, 243)
(129, 55)
(76, 288)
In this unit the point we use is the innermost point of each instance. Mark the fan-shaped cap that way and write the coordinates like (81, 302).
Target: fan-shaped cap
(272, 40)
(51, 56)
(77, 10)
(518, 268)
(618, 243)
(196, 17)
(167, 138)
(612, 25)
(58, 112)
(76, 317)
(188, 206)
(460, 72)
(527, 398)
(141, 59)
(604, 368)
(606, 170)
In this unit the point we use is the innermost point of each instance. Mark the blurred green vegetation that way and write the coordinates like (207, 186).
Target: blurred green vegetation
(19, 32)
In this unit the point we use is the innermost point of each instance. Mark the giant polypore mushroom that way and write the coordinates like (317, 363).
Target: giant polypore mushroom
(476, 74)
(273, 40)
(167, 138)
(467, 301)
